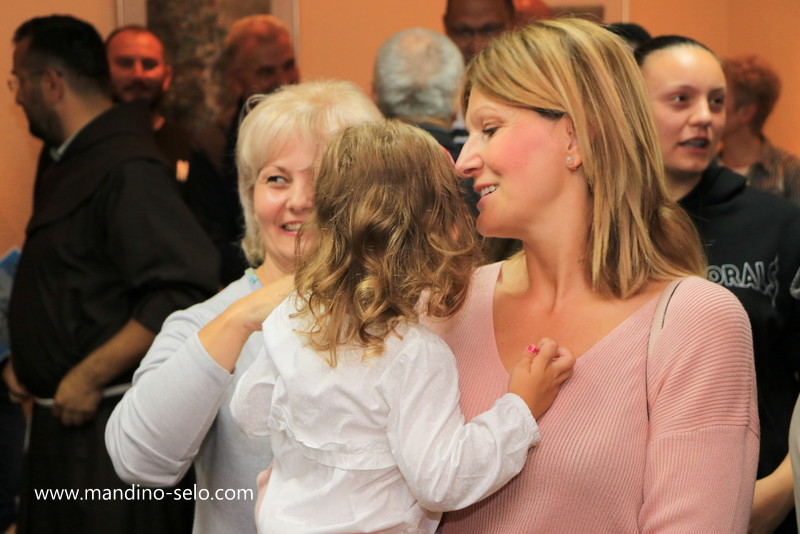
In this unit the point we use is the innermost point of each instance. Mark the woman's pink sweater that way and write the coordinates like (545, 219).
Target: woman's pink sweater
(604, 464)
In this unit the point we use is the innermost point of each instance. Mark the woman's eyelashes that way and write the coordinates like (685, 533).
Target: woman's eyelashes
(489, 131)
(274, 179)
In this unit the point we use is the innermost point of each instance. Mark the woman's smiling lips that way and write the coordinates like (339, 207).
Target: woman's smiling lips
(484, 190)
(292, 227)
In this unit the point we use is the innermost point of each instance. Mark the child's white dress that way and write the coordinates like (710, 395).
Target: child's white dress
(373, 446)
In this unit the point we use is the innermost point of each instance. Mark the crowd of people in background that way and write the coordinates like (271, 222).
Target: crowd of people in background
(509, 292)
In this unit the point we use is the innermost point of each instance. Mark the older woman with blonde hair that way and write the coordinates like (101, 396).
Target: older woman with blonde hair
(176, 414)
(657, 430)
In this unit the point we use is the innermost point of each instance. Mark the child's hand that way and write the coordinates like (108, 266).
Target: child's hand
(539, 374)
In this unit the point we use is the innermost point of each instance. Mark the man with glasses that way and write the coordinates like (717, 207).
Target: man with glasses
(110, 250)
(471, 23)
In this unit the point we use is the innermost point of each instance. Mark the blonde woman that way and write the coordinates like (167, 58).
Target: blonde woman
(661, 438)
(176, 414)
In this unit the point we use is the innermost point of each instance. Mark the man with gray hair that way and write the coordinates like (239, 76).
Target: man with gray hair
(416, 77)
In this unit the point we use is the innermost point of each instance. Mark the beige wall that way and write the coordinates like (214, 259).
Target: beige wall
(339, 39)
(770, 27)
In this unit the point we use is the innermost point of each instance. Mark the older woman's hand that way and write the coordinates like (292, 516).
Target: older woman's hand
(252, 310)
(225, 336)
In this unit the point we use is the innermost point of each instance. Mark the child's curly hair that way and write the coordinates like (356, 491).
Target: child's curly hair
(390, 238)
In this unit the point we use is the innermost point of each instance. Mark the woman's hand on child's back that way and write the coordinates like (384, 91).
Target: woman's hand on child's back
(225, 335)
(538, 375)
(251, 311)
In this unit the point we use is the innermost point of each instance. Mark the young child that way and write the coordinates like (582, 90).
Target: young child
(360, 401)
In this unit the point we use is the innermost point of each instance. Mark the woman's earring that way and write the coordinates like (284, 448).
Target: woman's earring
(570, 160)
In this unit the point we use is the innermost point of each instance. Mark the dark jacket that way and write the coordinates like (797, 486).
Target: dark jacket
(109, 240)
(752, 239)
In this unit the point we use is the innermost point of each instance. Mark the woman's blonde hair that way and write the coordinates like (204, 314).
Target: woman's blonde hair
(578, 68)
(307, 113)
(390, 230)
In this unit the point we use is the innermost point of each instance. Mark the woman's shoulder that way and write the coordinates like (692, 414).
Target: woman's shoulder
(703, 317)
(477, 305)
(700, 369)
(484, 281)
(486, 275)
(233, 291)
(201, 313)
(694, 296)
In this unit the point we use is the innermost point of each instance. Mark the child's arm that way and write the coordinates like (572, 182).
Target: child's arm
(449, 464)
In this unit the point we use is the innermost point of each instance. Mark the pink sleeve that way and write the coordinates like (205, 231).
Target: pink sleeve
(703, 449)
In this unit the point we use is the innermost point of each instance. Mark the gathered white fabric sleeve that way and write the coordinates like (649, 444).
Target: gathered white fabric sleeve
(703, 449)
(252, 397)
(157, 428)
(449, 464)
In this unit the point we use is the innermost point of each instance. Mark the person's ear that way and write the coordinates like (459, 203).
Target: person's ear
(238, 85)
(747, 112)
(167, 78)
(573, 157)
(373, 94)
(53, 85)
(456, 106)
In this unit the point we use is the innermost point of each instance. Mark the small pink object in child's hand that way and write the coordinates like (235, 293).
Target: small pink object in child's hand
(533, 349)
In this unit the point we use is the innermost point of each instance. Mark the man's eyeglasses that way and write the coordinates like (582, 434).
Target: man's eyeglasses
(466, 32)
(17, 79)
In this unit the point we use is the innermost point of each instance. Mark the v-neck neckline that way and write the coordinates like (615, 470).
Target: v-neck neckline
(647, 308)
